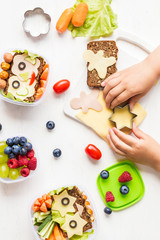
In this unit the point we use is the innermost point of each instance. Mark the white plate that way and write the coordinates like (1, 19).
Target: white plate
(18, 102)
(20, 178)
(92, 206)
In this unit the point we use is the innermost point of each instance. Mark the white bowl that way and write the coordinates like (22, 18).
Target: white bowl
(18, 102)
(20, 178)
(92, 206)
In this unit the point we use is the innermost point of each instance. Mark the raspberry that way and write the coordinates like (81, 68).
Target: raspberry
(109, 197)
(13, 163)
(30, 154)
(32, 163)
(23, 160)
(25, 172)
(125, 177)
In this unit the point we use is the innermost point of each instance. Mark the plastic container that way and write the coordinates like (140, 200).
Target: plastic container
(19, 102)
(92, 207)
(21, 178)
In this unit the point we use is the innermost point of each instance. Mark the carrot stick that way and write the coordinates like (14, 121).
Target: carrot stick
(80, 14)
(57, 234)
(64, 20)
(52, 237)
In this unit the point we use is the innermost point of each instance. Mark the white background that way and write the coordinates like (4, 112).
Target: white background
(141, 17)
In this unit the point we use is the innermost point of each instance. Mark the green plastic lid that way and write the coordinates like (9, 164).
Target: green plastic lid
(136, 186)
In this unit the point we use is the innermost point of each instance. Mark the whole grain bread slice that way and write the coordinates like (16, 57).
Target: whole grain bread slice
(110, 50)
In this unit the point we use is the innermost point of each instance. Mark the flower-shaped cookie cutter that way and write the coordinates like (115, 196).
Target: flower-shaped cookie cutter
(121, 126)
(36, 22)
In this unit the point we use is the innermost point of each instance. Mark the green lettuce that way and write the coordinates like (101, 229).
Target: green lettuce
(83, 237)
(100, 21)
(31, 56)
(57, 191)
(56, 217)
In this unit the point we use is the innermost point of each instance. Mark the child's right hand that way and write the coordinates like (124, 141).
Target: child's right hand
(130, 84)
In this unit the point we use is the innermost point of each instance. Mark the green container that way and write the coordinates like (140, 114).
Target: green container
(136, 186)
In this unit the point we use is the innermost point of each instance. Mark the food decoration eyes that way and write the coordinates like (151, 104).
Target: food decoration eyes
(65, 201)
(15, 84)
(21, 66)
(73, 224)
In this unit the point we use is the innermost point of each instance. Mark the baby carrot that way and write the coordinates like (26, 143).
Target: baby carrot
(80, 14)
(64, 20)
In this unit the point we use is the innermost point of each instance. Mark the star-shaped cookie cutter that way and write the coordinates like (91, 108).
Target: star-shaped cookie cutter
(130, 126)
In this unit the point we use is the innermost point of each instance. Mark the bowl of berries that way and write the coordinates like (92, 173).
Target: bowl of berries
(18, 160)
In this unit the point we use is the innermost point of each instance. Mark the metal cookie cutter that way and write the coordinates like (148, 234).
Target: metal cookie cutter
(36, 22)
(120, 125)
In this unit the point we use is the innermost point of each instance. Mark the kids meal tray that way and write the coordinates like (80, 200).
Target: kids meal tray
(23, 77)
(65, 213)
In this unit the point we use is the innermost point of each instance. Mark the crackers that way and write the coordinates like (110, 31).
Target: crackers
(110, 50)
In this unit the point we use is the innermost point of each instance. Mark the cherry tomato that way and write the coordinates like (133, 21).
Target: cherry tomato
(93, 152)
(61, 86)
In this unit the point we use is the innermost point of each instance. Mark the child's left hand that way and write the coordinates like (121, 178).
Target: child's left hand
(143, 149)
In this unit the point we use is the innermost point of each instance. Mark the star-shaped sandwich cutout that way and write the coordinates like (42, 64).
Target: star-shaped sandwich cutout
(73, 225)
(64, 203)
(123, 117)
(99, 62)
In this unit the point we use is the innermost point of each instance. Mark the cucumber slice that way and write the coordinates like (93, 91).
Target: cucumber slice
(50, 230)
(48, 219)
(45, 229)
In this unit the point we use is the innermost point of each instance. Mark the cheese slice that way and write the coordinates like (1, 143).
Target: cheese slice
(99, 62)
(99, 121)
(63, 209)
(78, 230)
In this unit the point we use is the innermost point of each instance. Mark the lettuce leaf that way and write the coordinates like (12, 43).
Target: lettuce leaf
(56, 217)
(83, 237)
(31, 56)
(57, 191)
(100, 21)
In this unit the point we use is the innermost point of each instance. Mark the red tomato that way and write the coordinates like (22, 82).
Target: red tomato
(32, 78)
(61, 86)
(93, 152)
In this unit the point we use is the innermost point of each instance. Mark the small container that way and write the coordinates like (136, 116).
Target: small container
(92, 207)
(21, 178)
(22, 103)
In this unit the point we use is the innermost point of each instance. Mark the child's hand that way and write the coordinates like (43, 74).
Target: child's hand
(132, 83)
(143, 149)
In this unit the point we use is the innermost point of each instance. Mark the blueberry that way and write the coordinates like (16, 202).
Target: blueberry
(23, 151)
(57, 152)
(124, 189)
(104, 174)
(28, 146)
(108, 210)
(8, 150)
(0, 126)
(22, 141)
(9, 141)
(50, 125)
(16, 149)
(15, 140)
(11, 155)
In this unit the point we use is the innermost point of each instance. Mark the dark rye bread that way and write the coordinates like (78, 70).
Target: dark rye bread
(40, 70)
(75, 192)
(110, 50)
